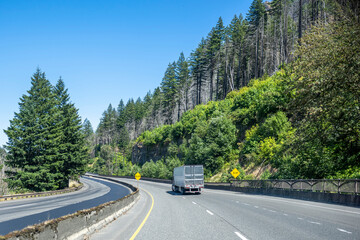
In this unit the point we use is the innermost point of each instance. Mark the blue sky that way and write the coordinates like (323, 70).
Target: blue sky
(104, 50)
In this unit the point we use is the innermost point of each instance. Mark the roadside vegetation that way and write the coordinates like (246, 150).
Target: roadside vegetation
(301, 122)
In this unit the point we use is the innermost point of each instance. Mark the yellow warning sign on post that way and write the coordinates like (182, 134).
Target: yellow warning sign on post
(137, 176)
(235, 173)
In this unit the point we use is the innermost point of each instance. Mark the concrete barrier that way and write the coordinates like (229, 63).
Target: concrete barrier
(326, 197)
(80, 224)
(39, 194)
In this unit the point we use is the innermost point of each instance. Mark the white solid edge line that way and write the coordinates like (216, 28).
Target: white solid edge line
(342, 230)
(241, 236)
(209, 212)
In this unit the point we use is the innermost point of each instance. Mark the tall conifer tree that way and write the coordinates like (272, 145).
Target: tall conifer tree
(168, 85)
(34, 137)
(198, 68)
(182, 76)
(72, 144)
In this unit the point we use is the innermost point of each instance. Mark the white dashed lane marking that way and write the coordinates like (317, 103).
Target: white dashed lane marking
(317, 223)
(284, 214)
(209, 212)
(242, 237)
(342, 230)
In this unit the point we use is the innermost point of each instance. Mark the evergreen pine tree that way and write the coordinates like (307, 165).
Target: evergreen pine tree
(87, 129)
(139, 109)
(215, 39)
(198, 67)
(182, 76)
(121, 107)
(88, 132)
(147, 100)
(256, 12)
(72, 145)
(254, 17)
(34, 137)
(130, 111)
(123, 135)
(120, 121)
(169, 86)
(156, 101)
(237, 31)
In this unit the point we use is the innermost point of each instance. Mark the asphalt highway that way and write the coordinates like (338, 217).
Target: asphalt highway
(163, 214)
(18, 214)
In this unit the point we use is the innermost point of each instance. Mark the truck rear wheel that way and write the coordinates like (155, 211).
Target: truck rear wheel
(182, 190)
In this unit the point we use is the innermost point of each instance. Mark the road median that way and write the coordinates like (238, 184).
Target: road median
(81, 224)
(39, 194)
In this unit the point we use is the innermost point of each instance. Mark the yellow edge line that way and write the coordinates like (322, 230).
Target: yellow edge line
(147, 215)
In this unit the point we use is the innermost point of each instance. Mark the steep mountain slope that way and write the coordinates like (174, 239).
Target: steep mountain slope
(303, 121)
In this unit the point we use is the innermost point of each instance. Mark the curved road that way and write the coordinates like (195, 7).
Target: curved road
(18, 214)
(219, 214)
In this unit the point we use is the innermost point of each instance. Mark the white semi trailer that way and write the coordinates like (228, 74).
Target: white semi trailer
(188, 178)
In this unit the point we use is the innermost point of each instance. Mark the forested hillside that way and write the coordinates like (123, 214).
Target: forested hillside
(299, 122)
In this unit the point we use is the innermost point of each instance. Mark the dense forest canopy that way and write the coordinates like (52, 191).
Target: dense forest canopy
(220, 108)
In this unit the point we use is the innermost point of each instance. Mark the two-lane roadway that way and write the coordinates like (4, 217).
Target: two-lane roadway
(18, 214)
(163, 214)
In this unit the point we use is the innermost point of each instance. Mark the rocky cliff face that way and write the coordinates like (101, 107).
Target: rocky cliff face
(142, 154)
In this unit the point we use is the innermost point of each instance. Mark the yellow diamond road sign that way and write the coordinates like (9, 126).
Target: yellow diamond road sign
(235, 173)
(137, 176)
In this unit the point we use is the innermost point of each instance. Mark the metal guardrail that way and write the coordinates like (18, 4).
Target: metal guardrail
(38, 194)
(348, 186)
